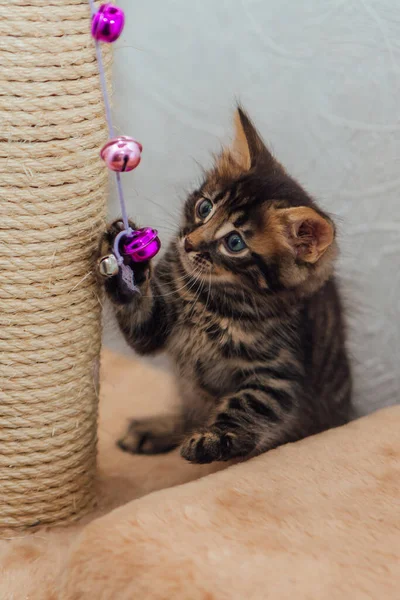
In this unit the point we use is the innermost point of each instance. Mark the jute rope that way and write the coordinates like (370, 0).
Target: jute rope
(52, 207)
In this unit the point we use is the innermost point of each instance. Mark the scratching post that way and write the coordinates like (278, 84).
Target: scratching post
(52, 207)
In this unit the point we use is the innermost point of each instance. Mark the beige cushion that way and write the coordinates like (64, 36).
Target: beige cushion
(312, 520)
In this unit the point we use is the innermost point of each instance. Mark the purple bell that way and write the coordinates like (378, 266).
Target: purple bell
(142, 244)
(108, 23)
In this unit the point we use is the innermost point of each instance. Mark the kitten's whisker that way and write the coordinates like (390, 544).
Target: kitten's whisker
(174, 216)
(184, 277)
(208, 297)
(197, 279)
(201, 287)
(169, 227)
(191, 279)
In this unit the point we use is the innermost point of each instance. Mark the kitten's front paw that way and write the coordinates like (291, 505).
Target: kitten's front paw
(115, 286)
(211, 445)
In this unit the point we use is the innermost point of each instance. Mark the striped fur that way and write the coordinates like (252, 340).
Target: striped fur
(257, 337)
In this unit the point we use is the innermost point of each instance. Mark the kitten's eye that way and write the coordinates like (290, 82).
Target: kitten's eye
(204, 208)
(235, 242)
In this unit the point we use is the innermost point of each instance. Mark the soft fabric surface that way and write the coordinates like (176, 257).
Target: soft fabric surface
(315, 519)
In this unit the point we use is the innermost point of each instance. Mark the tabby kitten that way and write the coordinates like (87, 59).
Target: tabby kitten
(245, 302)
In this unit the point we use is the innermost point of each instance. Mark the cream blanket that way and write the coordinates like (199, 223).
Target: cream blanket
(312, 520)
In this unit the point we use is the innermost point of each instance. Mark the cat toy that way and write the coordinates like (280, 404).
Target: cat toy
(120, 154)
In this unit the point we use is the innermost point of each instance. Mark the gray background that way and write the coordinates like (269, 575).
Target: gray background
(321, 79)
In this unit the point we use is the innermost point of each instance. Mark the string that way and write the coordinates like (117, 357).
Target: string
(103, 84)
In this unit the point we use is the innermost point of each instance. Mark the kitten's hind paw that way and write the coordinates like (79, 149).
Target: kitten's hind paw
(212, 445)
(150, 436)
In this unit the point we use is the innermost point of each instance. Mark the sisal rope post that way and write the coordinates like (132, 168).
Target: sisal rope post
(53, 189)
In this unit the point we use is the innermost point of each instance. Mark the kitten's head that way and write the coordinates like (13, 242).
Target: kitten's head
(251, 224)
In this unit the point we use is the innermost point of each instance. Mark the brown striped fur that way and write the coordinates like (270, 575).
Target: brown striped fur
(256, 336)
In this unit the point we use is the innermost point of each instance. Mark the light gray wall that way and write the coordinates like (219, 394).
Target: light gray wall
(321, 79)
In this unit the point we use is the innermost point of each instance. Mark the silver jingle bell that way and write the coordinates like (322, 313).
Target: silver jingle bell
(108, 266)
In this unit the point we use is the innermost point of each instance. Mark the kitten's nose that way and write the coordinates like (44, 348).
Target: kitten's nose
(188, 245)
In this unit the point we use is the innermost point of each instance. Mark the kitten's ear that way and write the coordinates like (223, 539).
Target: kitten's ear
(248, 142)
(247, 149)
(240, 149)
(303, 230)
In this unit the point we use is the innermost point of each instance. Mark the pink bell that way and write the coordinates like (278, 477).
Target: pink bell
(108, 23)
(122, 153)
(142, 244)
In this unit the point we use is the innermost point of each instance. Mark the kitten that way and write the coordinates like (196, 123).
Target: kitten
(245, 302)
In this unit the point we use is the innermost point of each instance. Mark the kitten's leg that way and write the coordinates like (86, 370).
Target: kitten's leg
(258, 417)
(154, 435)
(146, 318)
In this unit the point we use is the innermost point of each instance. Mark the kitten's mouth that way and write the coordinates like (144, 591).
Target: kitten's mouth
(198, 262)
(201, 261)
